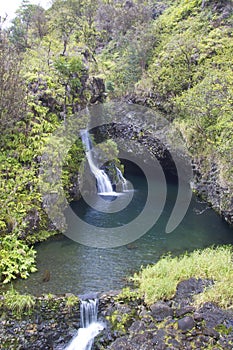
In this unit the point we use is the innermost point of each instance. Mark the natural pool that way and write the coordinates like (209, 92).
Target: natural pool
(82, 269)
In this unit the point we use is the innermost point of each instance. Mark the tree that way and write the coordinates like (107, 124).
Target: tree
(12, 92)
(64, 19)
(72, 75)
(29, 24)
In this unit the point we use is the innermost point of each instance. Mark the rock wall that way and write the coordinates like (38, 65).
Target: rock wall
(141, 128)
(130, 324)
(210, 185)
(208, 180)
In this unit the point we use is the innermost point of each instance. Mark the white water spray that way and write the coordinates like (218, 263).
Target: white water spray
(122, 180)
(104, 186)
(90, 327)
(103, 182)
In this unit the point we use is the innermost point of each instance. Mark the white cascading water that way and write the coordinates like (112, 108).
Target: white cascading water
(122, 180)
(90, 327)
(104, 185)
(88, 312)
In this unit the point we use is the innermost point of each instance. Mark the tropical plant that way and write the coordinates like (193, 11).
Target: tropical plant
(17, 259)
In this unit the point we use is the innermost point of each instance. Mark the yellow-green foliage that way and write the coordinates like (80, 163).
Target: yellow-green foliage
(119, 321)
(126, 295)
(191, 74)
(183, 56)
(160, 280)
(19, 192)
(71, 301)
(18, 303)
(16, 259)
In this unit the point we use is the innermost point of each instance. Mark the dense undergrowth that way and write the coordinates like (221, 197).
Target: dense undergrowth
(171, 55)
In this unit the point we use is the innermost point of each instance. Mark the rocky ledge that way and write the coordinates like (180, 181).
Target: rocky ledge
(130, 323)
(173, 324)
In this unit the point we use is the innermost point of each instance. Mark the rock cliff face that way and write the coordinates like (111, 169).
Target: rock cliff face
(136, 128)
(208, 181)
(210, 185)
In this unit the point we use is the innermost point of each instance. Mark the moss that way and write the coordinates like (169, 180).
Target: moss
(121, 321)
(71, 301)
(222, 329)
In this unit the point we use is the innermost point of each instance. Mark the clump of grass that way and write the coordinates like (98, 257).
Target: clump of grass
(71, 301)
(160, 280)
(126, 295)
(18, 303)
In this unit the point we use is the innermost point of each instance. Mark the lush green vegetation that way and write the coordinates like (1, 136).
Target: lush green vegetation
(17, 259)
(171, 55)
(19, 304)
(180, 61)
(160, 280)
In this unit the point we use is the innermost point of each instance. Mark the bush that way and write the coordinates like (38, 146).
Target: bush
(16, 259)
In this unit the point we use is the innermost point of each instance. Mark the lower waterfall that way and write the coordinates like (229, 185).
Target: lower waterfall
(90, 327)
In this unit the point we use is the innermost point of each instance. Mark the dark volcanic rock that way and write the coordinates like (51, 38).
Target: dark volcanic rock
(184, 310)
(186, 323)
(121, 343)
(161, 310)
(129, 324)
(214, 316)
(186, 290)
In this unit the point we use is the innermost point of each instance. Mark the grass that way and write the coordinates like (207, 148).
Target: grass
(71, 301)
(159, 281)
(18, 303)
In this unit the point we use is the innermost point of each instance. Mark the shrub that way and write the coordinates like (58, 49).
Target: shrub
(16, 259)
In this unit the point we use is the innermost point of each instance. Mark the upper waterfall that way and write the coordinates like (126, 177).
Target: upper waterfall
(102, 180)
(104, 185)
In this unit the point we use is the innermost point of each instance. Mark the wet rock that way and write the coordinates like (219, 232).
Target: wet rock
(208, 183)
(186, 289)
(210, 332)
(97, 88)
(186, 323)
(52, 325)
(46, 276)
(184, 310)
(161, 310)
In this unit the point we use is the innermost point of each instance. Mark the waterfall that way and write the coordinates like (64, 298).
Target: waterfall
(104, 185)
(88, 312)
(122, 180)
(90, 327)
